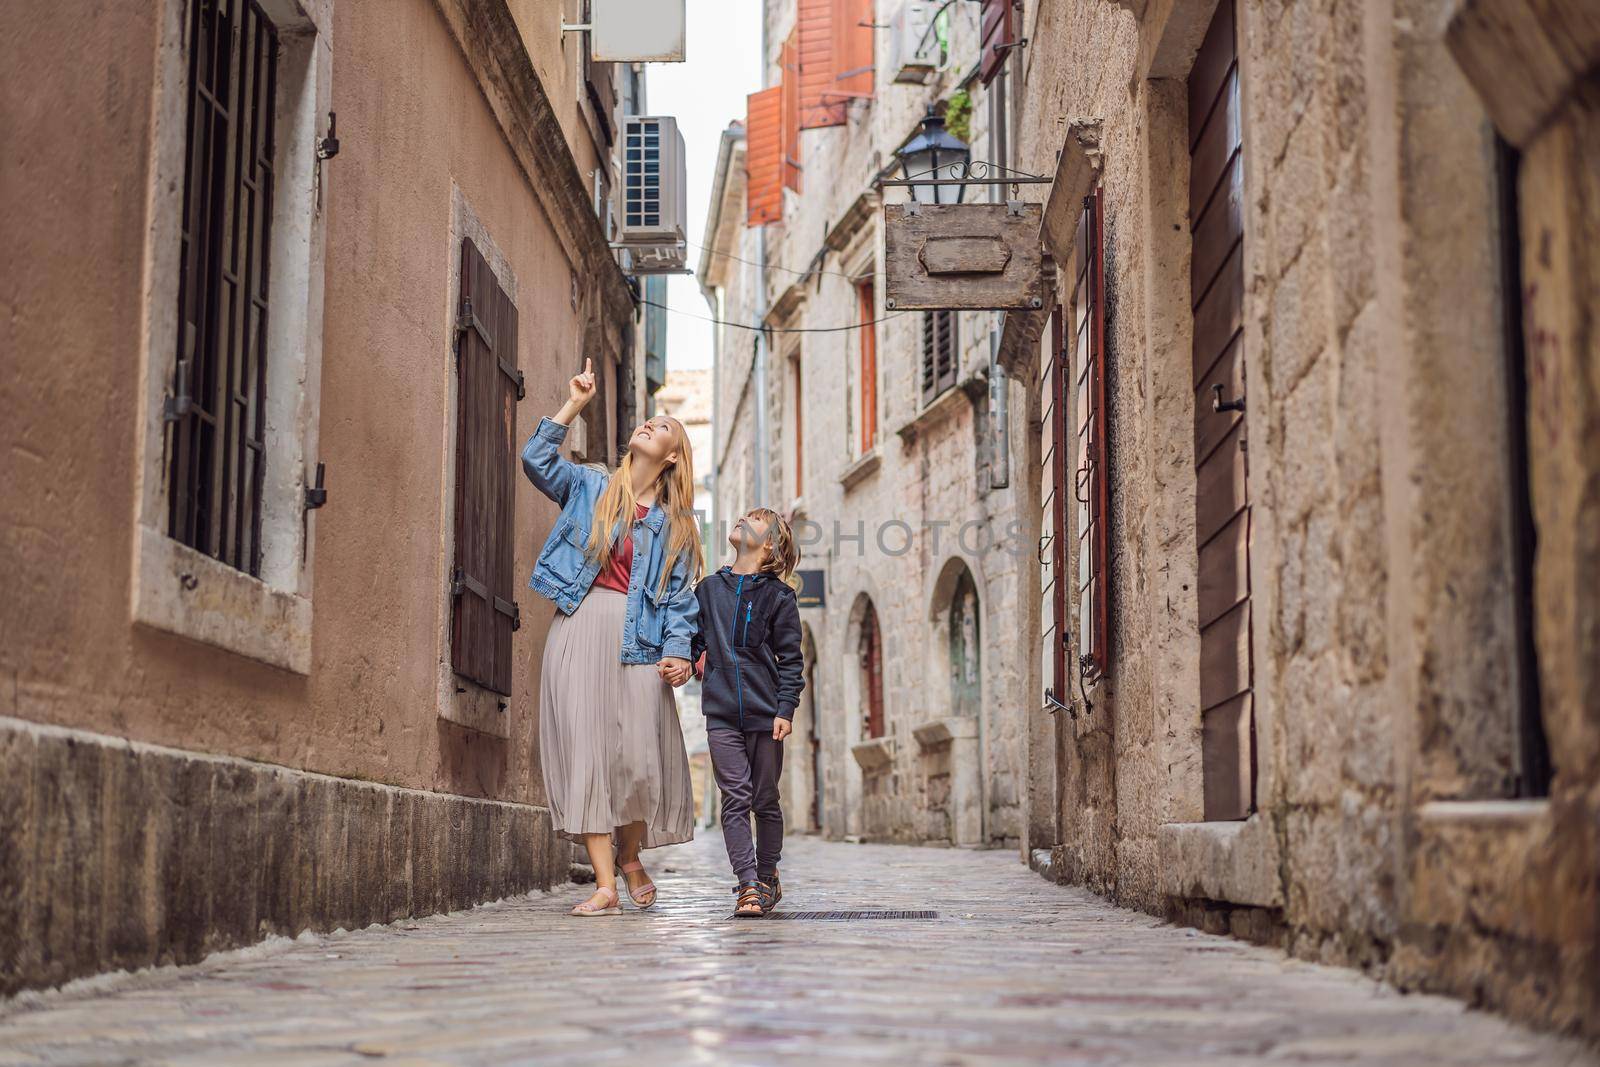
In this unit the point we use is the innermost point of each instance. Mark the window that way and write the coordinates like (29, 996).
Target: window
(488, 388)
(1091, 482)
(1532, 766)
(869, 655)
(230, 349)
(866, 313)
(1057, 372)
(218, 406)
(966, 665)
(938, 353)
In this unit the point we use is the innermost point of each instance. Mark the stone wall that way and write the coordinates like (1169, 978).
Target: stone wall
(116, 855)
(1390, 833)
(883, 522)
(444, 126)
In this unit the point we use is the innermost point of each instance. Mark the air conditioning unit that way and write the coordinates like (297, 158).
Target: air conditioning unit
(914, 50)
(654, 197)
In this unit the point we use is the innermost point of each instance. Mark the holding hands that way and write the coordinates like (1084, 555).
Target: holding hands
(673, 671)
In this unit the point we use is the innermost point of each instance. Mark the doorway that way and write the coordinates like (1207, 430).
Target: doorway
(1222, 497)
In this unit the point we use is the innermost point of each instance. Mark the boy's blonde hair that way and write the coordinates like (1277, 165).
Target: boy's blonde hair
(781, 554)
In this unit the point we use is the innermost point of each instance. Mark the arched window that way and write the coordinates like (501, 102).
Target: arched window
(966, 670)
(870, 656)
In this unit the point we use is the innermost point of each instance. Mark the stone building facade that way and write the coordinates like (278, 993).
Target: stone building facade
(912, 727)
(1303, 454)
(236, 705)
(1343, 697)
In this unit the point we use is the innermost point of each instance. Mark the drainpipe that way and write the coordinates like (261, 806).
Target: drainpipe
(760, 497)
(760, 450)
(714, 471)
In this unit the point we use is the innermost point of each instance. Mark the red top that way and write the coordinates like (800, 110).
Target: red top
(614, 575)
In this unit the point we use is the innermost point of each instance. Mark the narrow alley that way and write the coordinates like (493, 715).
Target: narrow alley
(1108, 489)
(1013, 970)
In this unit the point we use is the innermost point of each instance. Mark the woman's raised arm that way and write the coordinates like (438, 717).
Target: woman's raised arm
(551, 472)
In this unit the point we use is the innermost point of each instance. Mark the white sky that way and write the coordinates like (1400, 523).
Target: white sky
(704, 94)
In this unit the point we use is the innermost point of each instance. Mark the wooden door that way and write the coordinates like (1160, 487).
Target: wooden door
(1222, 498)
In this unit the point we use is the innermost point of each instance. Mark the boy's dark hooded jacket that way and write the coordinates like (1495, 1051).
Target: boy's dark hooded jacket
(749, 628)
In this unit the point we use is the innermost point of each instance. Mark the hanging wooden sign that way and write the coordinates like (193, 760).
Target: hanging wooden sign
(967, 257)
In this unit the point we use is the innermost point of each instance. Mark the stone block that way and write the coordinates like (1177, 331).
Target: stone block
(18, 844)
(128, 883)
(65, 872)
(1298, 329)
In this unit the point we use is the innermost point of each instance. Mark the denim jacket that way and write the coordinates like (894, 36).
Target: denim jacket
(658, 623)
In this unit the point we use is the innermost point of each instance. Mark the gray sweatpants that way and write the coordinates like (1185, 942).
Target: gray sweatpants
(747, 766)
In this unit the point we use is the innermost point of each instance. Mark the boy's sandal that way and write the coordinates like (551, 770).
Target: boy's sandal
(749, 906)
(645, 895)
(771, 892)
(589, 907)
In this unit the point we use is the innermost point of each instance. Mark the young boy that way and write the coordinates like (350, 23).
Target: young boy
(750, 634)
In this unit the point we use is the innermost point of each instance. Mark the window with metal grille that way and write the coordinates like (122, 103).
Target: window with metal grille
(1091, 482)
(938, 353)
(488, 386)
(217, 410)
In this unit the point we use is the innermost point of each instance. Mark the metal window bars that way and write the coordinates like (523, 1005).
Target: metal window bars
(217, 410)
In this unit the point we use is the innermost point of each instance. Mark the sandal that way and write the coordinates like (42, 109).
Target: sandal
(647, 890)
(771, 892)
(589, 907)
(749, 906)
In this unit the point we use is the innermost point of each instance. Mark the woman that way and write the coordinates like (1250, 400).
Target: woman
(620, 565)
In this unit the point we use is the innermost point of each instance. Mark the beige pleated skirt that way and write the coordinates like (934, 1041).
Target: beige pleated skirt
(609, 739)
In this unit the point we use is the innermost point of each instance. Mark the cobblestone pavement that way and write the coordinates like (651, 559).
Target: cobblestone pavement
(1015, 970)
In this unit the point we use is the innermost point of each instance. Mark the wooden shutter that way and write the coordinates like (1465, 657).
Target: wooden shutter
(835, 39)
(488, 386)
(866, 303)
(814, 29)
(789, 111)
(1222, 501)
(852, 49)
(1091, 484)
(998, 37)
(938, 353)
(763, 159)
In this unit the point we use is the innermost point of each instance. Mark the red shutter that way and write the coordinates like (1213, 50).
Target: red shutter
(836, 58)
(763, 160)
(814, 27)
(1092, 484)
(866, 307)
(852, 48)
(488, 387)
(999, 35)
(789, 113)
